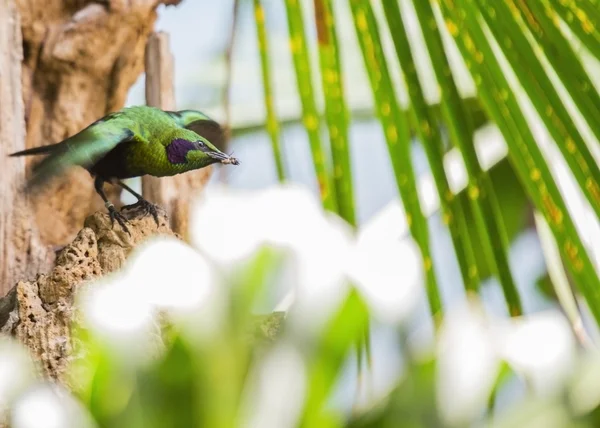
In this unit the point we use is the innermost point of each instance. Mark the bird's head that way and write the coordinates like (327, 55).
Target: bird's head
(188, 147)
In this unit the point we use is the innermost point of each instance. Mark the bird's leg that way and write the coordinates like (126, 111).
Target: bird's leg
(141, 202)
(114, 214)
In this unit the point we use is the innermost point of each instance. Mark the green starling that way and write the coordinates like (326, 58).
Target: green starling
(133, 142)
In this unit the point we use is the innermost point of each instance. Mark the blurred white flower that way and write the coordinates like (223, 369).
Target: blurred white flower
(226, 225)
(320, 268)
(229, 225)
(113, 306)
(205, 320)
(387, 266)
(467, 365)
(389, 275)
(16, 370)
(584, 391)
(275, 391)
(162, 274)
(388, 223)
(539, 347)
(49, 406)
(168, 273)
(120, 318)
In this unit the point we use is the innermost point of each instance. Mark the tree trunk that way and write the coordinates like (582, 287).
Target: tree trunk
(21, 253)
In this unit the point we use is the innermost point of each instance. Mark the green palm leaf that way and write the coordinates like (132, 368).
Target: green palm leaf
(518, 53)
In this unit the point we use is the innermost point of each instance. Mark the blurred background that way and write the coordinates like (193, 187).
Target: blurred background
(504, 149)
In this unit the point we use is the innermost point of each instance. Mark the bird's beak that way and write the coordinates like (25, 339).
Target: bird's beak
(224, 158)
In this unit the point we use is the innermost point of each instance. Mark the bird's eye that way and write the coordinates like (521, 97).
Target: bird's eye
(201, 145)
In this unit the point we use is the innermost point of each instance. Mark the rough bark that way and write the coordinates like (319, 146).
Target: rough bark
(172, 193)
(80, 59)
(21, 253)
(40, 313)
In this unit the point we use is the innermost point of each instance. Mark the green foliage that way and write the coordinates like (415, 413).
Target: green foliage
(429, 135)
(526, 37)
(514, 213)
(335, 107)
(272, 124)
(397, 136)
(219, 380)
(501, 103)
(489, 225)
(310, 116)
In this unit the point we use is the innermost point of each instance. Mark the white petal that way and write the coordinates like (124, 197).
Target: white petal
(293, 215)
(170, 274)
(389, 275)
(542, 347)
(229, 225)
(276, 390)
(205, 322)
(467, 365)
(113, 305)
(121, 319)
(48, 406)
(389, 223)
(16, 370)
(320, 264)
(584, 392)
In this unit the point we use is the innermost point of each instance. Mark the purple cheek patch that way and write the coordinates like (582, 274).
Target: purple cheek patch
(178, 149)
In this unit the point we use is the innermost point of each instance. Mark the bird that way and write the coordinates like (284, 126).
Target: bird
(133, 142)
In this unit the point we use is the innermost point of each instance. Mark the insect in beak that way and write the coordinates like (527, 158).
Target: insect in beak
(224, 158)
(230, 160)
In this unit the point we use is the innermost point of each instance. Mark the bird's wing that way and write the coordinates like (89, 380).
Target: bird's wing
(83, 149)
(201, 124)
(185, 117)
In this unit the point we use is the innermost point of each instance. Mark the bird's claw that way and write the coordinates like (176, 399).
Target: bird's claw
(147, 207)
(115, 215)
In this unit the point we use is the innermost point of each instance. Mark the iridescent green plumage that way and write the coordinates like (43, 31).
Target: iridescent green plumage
(132, 142)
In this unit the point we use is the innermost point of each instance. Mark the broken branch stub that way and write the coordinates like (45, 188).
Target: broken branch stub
(173, 193)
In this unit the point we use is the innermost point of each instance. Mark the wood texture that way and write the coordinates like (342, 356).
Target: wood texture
(172, 193)
(21, 253)
(80, 59)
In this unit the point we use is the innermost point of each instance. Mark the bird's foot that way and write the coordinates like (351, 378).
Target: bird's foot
(147, 207)
(115, 215)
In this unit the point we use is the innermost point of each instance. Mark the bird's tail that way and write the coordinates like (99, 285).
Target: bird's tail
(37, 150)
(36, 179)
(82, 149)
